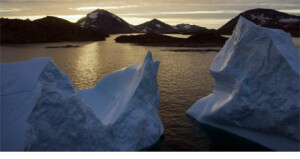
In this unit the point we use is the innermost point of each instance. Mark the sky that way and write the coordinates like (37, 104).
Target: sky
(207, 13)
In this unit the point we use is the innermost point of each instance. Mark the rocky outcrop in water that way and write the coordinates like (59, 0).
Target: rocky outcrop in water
(201, 39)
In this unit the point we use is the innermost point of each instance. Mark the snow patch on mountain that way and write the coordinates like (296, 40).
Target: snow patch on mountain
(114, 16)
(260, 17)
(289, 20)
(187, 26)
(93, 15)
(82, 23)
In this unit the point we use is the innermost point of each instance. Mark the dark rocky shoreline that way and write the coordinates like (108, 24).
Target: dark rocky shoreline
(208, 38)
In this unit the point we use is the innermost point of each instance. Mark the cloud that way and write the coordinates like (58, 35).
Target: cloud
(291, 11)
(103, 7)
(9, 10)
(213, 11)
(183, 13)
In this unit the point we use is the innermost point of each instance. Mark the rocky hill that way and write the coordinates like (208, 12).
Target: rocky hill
(48, 29)
(266, 18)
(106, 22)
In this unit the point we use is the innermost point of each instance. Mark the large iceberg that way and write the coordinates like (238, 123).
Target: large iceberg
(257, 90)
(127, 102)
(42, 111)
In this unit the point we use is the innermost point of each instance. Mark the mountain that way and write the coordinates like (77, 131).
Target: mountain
(159, 27)
(156, 26)
(48, 29)
(187, 28)
(266, 18)
(106, 22)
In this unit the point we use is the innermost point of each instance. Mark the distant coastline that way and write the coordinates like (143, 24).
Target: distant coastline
(97, 25)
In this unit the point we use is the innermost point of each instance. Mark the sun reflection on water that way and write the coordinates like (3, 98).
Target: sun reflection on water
(87, 65)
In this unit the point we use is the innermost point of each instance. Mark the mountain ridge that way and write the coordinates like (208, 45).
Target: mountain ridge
(97, 24)
(107, 22)
(47, 29)
(268, 18)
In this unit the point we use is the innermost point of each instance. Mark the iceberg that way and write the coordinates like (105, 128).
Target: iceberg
(256, 95)
(42, 111)
(127, 102)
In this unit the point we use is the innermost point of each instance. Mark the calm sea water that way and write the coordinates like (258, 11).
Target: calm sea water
(183, 78)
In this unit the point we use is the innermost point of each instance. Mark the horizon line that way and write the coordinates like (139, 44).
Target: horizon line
(73, 18)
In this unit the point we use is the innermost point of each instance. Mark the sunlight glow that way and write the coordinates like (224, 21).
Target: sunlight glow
(98, 7)
(204, 22)
(71, 18)
(9, 10)
(294, 11)
(136, 20)
(187, 12)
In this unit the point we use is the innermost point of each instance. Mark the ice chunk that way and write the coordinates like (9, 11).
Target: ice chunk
(257, 88)
(41, 110)
(127, 102)
(19, 93)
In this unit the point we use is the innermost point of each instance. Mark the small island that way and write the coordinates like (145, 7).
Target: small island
(206, 38)
(63, 46)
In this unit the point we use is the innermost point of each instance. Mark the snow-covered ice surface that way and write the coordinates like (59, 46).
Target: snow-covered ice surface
(257, 89)
(41, 110)
(127, 103)
(20, 91)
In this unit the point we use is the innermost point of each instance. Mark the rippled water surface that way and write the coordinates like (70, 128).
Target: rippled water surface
(183, 78)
